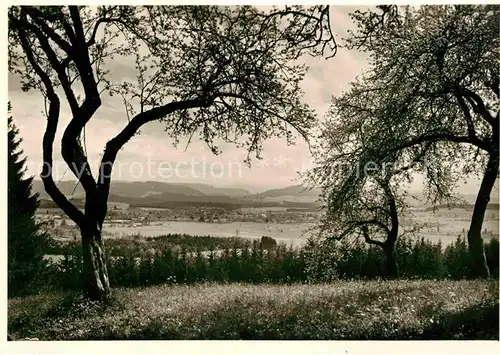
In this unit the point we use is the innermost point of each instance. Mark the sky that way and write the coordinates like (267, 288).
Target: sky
(151, 155)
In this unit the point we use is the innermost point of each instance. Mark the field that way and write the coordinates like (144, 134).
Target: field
(443, 224)
(287, 233)
(340, 310)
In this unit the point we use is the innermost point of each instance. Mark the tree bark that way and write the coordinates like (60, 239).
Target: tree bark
(392, 269)
(95, 272)
(392, 236)
(475, 241)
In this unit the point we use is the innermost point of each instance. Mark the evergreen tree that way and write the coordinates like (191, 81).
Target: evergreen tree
(25, 241)
(19, 195)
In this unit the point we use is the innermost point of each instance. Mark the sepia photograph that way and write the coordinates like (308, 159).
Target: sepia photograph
(252, 172)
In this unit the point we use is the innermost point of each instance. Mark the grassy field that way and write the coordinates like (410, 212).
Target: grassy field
(341, 310)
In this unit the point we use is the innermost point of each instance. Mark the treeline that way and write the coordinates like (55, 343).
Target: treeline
(137, 245)
(257, 262)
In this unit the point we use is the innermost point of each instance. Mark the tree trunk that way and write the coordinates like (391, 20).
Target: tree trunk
(475, 241)
(392, 270)
(95, 272)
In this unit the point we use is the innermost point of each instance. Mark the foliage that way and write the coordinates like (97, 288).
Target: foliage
(424, 63)
(360, 199)
(139, 245)
(341, 310)
(457, 260)
(317, 261)
(25, 241)
(267, 242)
(429, 101)
(492, 252)
(19, 188)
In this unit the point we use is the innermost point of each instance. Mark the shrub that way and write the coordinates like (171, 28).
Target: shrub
(427, 260)
(491, 250)
(268, 242)
(457, 260)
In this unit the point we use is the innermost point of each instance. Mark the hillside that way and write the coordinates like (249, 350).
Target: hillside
(211, 190)
(468, 200)
(295, 190)
(296, 194)
(143, 189)
(180, 195)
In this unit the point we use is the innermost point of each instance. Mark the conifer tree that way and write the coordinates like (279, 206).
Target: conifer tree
(25, 241)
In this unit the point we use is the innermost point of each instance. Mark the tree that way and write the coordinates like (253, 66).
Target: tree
(25, 241)
(361, 198)
(375, 217)
(224, 73)
(433, 87)
(19, 187)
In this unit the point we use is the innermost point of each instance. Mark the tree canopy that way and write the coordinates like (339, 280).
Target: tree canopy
(430, 99)
(434, 77)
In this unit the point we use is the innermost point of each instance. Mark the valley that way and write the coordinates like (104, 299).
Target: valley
(283, 214)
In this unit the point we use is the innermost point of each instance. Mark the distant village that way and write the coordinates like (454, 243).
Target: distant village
(61, 227)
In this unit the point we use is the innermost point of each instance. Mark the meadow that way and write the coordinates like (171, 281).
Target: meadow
(341, 310)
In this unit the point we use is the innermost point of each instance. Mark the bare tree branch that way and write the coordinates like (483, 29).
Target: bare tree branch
(48, 139)
(115, 144)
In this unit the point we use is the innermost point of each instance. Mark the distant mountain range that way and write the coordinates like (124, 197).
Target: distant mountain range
(176, 195)
(294, 193)
(144, 189)
(419, 200)
(295, 190)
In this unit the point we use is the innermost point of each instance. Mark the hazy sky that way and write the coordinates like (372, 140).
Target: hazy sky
(151, 156)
